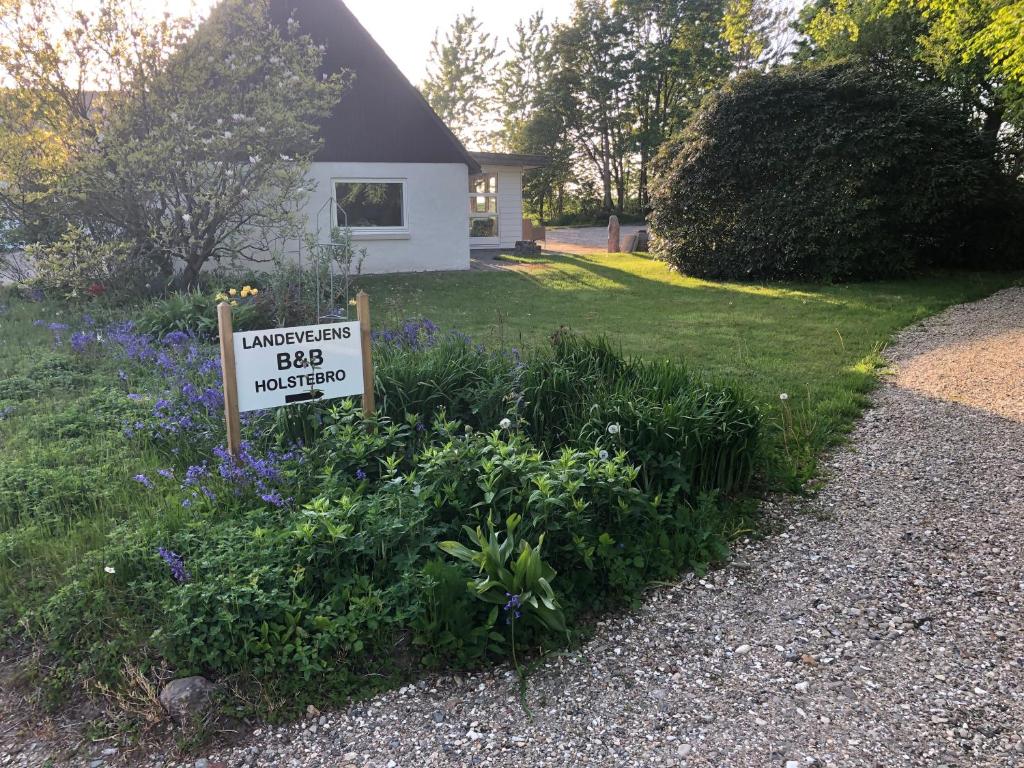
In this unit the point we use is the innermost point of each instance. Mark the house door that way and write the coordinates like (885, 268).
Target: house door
(483, 211)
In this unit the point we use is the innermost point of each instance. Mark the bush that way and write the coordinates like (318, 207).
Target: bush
(195, 312)
(76, 264)
(835, 172)
(688, 436)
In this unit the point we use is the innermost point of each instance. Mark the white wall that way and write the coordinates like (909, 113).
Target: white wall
(436, 215)
(510, 205)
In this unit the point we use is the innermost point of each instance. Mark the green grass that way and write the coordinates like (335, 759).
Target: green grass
(65, 469)
(819, 344)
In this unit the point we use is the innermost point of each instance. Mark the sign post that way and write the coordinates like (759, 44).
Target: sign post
(283, 366)
(227, 367)
(365, 341)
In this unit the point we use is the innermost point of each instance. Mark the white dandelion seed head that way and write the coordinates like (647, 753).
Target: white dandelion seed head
(783, 396)
(613, 429)
(505, 423)
(109, 569)
(603, 455)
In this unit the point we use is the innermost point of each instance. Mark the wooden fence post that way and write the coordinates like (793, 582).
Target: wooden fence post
(365, 338)
(227, 367)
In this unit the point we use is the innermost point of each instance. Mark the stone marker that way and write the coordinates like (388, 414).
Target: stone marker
(643, 241)
(613, 234)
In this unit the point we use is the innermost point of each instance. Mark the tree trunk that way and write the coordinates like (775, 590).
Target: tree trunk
(641, 184)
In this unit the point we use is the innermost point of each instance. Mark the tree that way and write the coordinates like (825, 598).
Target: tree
(675, 57)
(588, 92)
(831, 172)
(191, 144)
(458, 84)
(969, 46)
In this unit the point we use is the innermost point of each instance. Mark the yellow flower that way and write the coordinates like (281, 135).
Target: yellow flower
(254, 291)
(234, 303)
(232, 292)
(220, 297)
(246, 290)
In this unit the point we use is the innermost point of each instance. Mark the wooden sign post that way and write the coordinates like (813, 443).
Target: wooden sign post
(227, 367)
(284, 366)
(366, 339)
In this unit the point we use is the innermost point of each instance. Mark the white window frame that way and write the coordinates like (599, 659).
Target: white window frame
(496, 215)
(372, 233)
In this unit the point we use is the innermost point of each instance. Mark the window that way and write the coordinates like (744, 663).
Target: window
(370, 204)
(483, 205)
(483, 227)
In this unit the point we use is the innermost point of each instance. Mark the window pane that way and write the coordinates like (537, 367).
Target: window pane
(483, 184)
(483, 204)
(369, 204)
(486, 226)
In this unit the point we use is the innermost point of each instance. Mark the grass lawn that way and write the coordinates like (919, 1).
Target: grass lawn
(819, 344)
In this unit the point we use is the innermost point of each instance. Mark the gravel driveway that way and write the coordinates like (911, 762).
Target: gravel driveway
(585, 240)
(881, 626)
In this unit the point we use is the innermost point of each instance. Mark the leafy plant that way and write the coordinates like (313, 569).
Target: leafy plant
(511, 574)
(835, 173)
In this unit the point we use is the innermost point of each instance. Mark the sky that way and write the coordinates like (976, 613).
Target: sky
(405, 28)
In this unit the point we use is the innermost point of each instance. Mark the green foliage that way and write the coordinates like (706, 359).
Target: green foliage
(195, 312)
(970, 48)
(508, 569)
(459, 68)
(836, 172)
(76, 264)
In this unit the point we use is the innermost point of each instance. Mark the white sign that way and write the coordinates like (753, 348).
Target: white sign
(283, 366)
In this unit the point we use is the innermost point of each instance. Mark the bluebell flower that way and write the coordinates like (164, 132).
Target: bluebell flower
(142, 479)
(512, 607)
(275, 498)
(176, 563)
(360, 474)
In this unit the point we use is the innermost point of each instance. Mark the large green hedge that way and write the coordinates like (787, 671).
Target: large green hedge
(832, 172)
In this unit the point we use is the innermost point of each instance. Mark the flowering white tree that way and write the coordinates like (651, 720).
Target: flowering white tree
(191, 144)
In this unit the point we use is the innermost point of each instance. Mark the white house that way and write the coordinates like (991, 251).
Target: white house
(391, 170)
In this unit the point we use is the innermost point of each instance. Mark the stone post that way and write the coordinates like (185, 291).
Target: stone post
(613, 234)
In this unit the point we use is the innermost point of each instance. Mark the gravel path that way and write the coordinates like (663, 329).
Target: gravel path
(584, 240)
(881, 627)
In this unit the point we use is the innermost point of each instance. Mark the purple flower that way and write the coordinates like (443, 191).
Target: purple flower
(143, 480)
(360, 474)
(166, 473)
(176, 338)
(57, 326)
(512, 607)
(176, 563)
(275, 498)
(194, 474)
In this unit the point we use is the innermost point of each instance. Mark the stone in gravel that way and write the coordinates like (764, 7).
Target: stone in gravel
(802, 686)
(742, 649)
(438, 716)
(202, 762)
(187, 697)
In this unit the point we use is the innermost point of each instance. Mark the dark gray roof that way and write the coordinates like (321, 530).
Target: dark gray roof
(506, 158)
(381, 117)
